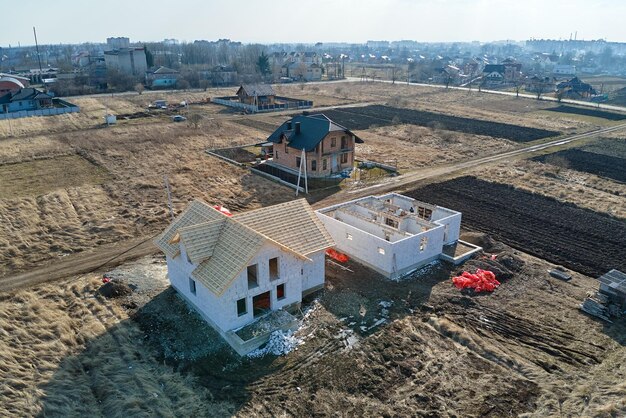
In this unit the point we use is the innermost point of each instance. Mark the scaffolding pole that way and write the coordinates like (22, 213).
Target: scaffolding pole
(302, 168)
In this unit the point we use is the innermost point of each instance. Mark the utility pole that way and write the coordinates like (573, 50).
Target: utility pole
(169, 196)
(38, 56)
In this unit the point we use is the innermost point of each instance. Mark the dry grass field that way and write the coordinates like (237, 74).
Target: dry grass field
(109, 185)
(414, 147)
(73, 184)
(70, 185)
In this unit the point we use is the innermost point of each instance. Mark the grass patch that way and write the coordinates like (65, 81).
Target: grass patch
(37, 177)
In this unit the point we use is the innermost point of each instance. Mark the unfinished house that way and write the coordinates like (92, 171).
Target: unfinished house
(256, 94)
(394, 234)
(242, 270)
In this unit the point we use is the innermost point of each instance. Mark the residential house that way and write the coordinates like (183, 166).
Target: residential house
(472, 67)
(309, 57)
(509, 72)
(302, 71)
(447, 75)
(493, 75)
(512, 71)
(223, 75)
(536, 84)
(546, 61)
(575, 88)
(161, 77)
(25, 99)
(256, 94)
(328, 146)
(395, 234)
(235, 270)
(564, 70)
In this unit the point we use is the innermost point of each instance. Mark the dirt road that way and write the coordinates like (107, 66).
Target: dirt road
(81, 263)
(111, 255)
(504, 93)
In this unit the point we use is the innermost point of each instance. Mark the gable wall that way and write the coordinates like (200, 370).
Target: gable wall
(223, 309)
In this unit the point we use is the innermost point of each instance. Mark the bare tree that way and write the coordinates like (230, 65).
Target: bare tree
(300, 71)
(194, 119)
(182, 84)
(518, 86)
(541, 88)
(139, 88)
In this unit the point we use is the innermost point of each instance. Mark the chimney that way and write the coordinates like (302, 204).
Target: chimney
(297, 128)
(289, 125)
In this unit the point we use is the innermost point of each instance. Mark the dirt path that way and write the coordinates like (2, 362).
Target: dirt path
(115, 254)
(81, 263)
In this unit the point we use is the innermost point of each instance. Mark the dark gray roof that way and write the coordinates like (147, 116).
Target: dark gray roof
(313, 129)
(25, 94)
(28, 93)
(257, 89)
(490, 68)
(577, 85)
(42, 95)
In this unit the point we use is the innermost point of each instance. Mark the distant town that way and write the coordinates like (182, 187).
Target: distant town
(120, 64)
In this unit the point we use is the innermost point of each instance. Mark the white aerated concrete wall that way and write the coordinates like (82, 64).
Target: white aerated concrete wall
(363, 246)
(365, 241)
(296, 274)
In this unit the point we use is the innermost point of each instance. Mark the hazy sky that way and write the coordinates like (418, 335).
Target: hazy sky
(265, 21)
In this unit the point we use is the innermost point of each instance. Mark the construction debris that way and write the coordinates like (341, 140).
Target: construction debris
(558, 274)
(481, 281)
(596, 305)
(114, 288)
(610, 300)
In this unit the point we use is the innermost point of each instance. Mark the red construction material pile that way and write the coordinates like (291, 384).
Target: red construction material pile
(481, 281)
(336, 255)
(223, 210)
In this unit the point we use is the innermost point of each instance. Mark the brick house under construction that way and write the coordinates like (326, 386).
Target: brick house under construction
(329, 147)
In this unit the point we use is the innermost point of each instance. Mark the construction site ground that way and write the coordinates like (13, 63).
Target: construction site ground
(79, 198)
(368, 346)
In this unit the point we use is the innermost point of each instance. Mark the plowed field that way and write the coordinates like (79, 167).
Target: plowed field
(589, 162)
(364, 117)
(580, 239)
(588, 112)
